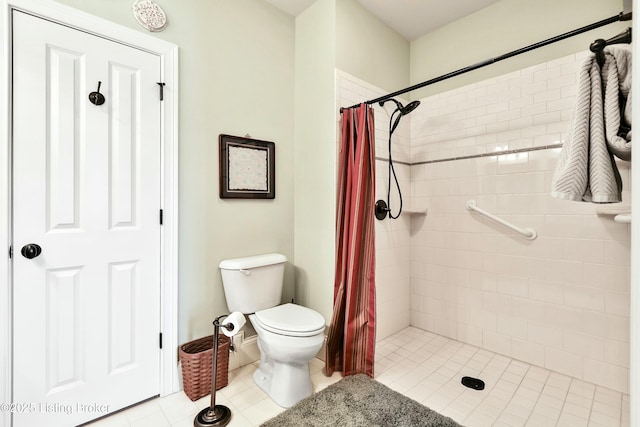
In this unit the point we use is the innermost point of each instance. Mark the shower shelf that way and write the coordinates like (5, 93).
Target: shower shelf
(413, 211)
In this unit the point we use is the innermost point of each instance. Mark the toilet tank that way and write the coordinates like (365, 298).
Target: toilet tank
(253, 283)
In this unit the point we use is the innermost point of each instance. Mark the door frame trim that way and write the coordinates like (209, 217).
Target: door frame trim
(168, 53)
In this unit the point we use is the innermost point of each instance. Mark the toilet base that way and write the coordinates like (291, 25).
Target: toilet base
(283, 373)
(292, 382)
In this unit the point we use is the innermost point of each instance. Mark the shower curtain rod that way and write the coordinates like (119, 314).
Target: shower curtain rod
(622, 16)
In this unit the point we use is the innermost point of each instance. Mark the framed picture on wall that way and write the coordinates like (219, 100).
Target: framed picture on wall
(247, 168)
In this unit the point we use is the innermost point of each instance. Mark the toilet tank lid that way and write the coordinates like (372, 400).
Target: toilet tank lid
(252, 262)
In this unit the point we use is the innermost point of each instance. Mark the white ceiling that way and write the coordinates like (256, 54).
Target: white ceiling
(410, 18)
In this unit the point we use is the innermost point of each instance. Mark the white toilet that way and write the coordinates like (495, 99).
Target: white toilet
(289, 335)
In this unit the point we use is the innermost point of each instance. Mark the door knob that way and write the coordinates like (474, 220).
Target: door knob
(31, 250)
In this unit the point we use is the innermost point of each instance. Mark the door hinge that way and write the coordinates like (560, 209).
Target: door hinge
(161, 216)
(161, 84)
(160, 340)
(10, 252)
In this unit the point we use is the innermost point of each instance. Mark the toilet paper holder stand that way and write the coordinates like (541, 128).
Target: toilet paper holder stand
(215, 415)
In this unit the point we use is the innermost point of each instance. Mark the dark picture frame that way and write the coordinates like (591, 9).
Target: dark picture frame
(247, 168)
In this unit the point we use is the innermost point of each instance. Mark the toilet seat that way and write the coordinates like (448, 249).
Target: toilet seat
(291, 320)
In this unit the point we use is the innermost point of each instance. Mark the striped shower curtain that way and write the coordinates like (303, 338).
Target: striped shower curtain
(352, 333)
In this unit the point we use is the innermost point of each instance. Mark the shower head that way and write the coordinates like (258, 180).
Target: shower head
(399, 109)
(402, 109)
(409, 108)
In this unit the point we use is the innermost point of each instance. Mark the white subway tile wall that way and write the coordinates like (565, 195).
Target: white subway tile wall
(561, 301)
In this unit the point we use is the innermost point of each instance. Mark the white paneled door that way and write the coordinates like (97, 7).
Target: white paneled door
(86, 228)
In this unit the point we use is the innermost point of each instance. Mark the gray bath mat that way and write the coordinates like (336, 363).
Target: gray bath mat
(357, 401)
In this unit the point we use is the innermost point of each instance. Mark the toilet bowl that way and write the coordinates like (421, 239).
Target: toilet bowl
(289, 336)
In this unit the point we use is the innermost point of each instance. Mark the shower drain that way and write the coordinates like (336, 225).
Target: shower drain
(473, 383)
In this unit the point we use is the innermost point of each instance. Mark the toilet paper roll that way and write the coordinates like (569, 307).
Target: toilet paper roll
(237, 320)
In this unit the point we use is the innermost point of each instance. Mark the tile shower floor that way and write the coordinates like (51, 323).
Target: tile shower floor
(427, 368)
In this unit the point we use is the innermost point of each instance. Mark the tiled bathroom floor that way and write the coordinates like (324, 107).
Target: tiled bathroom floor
(427, 368)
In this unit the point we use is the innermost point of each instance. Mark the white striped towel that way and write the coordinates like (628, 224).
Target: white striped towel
(586, 170)
(616, 79)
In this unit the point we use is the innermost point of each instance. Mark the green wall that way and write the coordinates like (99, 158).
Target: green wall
(236, 77)
(369, 49)
(503, 27)
(315, 156)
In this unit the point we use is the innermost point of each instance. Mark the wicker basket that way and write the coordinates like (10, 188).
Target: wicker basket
(197, 366)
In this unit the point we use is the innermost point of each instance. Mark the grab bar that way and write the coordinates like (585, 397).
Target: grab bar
(529, 233)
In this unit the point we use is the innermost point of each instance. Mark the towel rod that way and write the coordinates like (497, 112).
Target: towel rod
(598, 46)
(623, 218)
(528, 233)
